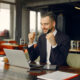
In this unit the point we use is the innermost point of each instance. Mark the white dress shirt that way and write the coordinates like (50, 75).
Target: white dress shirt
(49, 47)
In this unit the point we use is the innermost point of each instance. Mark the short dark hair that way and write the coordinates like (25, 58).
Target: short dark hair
(49, 13)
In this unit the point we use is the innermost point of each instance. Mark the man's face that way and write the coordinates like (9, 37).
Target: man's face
(47, 23)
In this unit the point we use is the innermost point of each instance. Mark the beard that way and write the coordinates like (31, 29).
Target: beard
(47, 30)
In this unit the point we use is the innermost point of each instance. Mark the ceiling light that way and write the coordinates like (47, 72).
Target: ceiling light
(77, 8)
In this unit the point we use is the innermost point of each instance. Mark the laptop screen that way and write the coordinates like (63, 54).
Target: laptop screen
(16, 58)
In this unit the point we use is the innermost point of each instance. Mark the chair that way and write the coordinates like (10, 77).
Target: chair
(2, 42)
(73, 60)
(12, 42)
(2, 52)
(1, 48)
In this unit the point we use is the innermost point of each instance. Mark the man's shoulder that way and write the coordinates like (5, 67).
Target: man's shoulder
(59, 33)
(62, 36)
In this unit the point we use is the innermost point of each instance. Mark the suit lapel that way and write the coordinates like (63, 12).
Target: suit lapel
(44, 43)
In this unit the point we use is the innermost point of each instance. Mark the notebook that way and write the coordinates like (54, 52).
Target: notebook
(18, 58)
(58, 75)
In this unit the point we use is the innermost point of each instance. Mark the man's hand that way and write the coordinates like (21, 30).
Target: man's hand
(31, 37)
(50, 37)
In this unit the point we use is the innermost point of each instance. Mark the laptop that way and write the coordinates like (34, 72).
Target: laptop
(18, 58)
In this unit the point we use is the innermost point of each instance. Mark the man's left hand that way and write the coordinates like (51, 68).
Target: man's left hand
(51, 38)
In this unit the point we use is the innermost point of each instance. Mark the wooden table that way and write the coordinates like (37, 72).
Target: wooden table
(8, 40)
(8, 72)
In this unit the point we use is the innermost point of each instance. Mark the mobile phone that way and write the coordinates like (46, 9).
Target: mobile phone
(49, 31)
(50, 67)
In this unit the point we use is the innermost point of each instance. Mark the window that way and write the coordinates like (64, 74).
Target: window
(39, 25)
(35, 23)
(4, 19)
(32, 21)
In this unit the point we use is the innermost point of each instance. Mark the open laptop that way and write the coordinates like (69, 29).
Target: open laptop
(18, 58)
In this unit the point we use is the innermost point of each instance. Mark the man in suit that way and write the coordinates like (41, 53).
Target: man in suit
(52, 46)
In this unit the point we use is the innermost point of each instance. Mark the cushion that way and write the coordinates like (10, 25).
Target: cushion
(73, 60)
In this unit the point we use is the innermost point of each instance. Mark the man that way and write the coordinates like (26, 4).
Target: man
(52, 46)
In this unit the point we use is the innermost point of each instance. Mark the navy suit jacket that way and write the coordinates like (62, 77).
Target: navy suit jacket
(58, 54)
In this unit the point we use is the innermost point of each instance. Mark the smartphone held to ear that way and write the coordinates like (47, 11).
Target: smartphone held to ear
(49, 31)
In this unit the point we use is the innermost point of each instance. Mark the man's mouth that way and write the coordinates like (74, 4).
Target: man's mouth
(45, 30)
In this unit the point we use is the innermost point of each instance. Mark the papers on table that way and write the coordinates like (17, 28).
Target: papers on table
(57, 75)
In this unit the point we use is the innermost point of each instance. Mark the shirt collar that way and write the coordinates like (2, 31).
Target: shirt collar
(55, 32)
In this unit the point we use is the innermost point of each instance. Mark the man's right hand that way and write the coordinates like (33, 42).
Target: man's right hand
(31, 37)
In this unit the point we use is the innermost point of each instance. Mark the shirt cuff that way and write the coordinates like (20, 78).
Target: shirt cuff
(32, 44)
(54, 46)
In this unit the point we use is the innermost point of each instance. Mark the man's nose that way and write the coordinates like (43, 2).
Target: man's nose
(43, 26)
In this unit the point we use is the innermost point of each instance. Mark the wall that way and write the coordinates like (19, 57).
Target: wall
(12, 21)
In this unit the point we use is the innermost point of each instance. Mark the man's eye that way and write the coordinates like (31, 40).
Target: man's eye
(44, 24)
